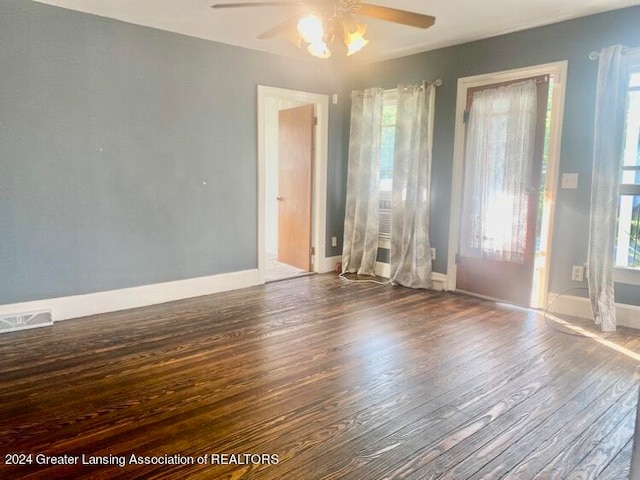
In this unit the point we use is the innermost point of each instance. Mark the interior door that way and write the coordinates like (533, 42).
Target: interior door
(295, 144)
(479, 272)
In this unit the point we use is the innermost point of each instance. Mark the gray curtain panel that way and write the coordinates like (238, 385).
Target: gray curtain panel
(360, 246)
(410, 255)
(611, 98)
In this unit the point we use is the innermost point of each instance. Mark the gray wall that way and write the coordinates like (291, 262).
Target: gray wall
(128, 154)
(108, 131)
(572, 41)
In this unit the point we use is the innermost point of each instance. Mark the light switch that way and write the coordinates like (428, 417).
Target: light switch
(569, 181)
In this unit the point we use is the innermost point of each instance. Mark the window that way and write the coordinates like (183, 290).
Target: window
(386, 164)
(627, 253)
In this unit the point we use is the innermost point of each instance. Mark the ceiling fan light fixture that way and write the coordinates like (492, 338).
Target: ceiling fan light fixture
(331, 22)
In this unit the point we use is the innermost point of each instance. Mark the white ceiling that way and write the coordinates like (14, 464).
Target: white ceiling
(457, 21)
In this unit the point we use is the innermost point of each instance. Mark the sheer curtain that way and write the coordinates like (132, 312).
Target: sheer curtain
(410, 255)
(499, 149)
(611, 96)
(360, 246)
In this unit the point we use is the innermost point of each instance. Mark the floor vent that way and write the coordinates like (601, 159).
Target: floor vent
(23, 321)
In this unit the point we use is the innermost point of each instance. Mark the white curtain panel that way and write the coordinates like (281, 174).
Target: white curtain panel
(410, 255)
(360, 246)
(611, 97)
(498, 157)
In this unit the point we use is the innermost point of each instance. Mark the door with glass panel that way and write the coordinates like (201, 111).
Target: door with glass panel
(504, 145)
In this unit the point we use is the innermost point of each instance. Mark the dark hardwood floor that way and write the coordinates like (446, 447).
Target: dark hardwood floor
(317, 378)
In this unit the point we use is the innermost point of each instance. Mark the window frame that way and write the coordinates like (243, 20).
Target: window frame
(390, 98)
(623, 274)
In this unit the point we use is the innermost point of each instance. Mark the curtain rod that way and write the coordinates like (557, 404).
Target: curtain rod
(595, 55)
(437, 82)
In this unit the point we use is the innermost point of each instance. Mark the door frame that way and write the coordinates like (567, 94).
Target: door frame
(319, 180)
(558, 70)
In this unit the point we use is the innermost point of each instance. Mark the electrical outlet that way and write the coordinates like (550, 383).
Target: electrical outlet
(577, 273)
(334, 241)
(569, 181)
(433, 254)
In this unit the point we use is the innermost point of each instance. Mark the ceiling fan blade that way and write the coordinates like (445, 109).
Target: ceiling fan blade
(258, 4)
(284, 27)
(394, 15)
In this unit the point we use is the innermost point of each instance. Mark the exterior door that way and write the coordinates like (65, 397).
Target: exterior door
(295, 146)
(481, 269)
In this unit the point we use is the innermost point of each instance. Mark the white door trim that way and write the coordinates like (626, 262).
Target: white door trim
(559, 72)
(319, 208)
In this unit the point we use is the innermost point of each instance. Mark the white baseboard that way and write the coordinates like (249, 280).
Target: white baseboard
(328, 264)
(383, 270)
(439, 279)
(76, 306)
(626, 315)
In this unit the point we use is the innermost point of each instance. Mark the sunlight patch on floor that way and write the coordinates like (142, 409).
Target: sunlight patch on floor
(594, 336)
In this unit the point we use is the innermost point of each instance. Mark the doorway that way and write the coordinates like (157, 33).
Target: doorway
(290, 244)
(477, 263)
(295, 172)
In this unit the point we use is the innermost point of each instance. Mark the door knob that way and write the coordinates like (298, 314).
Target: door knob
(280, 199)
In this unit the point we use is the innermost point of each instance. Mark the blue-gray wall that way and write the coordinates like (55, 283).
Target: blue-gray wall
(109, 132)
(572, 41)
(128, 154)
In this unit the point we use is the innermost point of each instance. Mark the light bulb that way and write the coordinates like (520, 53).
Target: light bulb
(319, 49)
(355, 41)
(311, 29)
(356, 45)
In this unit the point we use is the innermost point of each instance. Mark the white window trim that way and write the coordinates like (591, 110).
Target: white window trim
(629, 276)
(390, 97)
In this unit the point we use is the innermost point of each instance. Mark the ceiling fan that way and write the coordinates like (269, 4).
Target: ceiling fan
(322, 24)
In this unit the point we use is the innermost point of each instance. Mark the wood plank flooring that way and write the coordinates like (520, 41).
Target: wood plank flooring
(316, 378)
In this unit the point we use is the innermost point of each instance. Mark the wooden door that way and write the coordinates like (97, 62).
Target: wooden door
(295, 144)
(511, 281)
